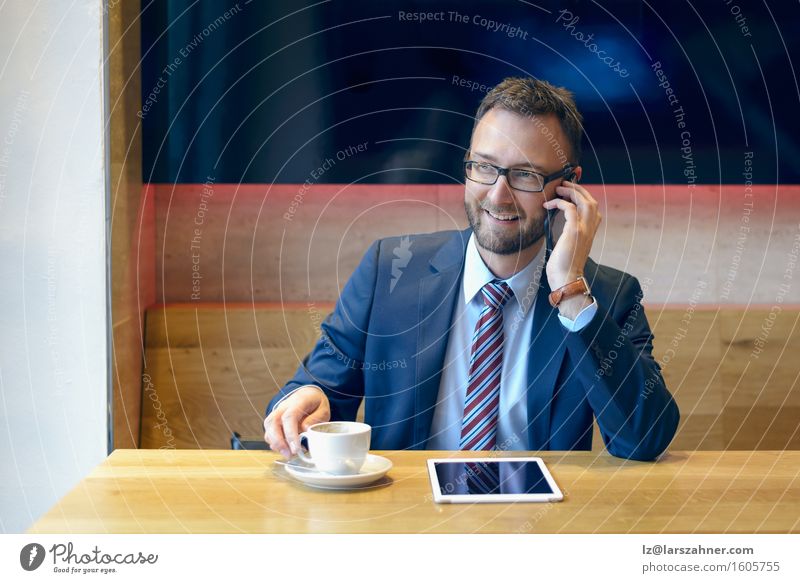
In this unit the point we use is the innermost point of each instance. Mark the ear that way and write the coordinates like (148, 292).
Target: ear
(577, 172)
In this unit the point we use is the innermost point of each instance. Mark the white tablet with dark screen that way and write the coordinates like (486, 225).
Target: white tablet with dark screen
(506, 479)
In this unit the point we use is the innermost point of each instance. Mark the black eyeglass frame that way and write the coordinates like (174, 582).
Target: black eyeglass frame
(546, 179)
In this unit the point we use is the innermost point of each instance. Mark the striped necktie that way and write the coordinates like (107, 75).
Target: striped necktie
(483, 478)
(479, 425)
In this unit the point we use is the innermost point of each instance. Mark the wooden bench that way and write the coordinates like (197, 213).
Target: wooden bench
(211, 369)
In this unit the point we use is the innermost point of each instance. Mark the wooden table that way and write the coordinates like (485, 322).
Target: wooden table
(213, 491)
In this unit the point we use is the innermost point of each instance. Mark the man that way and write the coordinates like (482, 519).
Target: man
(495, 359)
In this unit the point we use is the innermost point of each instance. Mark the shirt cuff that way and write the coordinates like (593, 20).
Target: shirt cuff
(582, 319)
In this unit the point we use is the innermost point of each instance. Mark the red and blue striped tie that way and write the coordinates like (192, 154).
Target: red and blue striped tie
(479, 425)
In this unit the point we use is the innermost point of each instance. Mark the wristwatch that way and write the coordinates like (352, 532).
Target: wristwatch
(574, 288)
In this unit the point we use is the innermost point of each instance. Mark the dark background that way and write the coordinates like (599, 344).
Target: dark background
(280, 86)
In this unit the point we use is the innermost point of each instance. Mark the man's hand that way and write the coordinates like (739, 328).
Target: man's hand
(296, 413)
(573, 246)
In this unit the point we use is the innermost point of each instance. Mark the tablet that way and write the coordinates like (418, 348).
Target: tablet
(505, 479)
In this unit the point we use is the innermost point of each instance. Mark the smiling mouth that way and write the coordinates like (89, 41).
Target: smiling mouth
(502, 217)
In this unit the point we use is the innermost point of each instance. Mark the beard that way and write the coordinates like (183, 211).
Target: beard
(502, 244)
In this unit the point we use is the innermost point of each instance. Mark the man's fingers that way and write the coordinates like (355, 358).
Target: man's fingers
(267, 426)
(570, 211)
(290, 431)
(319, 416)
(275, 437)
(282, 426)
(576, 194)
(585, 204)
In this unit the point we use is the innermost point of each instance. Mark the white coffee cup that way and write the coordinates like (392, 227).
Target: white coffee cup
(336, 447)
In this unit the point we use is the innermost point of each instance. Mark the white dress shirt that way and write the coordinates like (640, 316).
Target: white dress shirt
(512, 431)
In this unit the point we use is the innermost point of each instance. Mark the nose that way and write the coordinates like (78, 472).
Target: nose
(500, 193)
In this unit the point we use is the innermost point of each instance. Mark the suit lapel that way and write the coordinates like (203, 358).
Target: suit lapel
(438, 293)
(548, 345)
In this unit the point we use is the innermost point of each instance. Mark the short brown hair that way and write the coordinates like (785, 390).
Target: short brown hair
(528, 96)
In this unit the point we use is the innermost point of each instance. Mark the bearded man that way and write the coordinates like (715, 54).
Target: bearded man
(492, 338)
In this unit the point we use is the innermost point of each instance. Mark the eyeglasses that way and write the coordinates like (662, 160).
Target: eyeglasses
(518, 178)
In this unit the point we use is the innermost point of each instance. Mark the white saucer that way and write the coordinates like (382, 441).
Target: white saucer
(374, 468)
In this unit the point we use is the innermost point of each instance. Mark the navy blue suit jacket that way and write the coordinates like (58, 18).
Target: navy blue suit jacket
(386, 340)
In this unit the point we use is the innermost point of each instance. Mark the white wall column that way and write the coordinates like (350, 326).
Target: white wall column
(53, 299)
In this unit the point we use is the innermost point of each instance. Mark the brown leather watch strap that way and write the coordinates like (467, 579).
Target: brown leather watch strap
(579, 286)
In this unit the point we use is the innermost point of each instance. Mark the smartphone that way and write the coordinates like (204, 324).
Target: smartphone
(548, 223)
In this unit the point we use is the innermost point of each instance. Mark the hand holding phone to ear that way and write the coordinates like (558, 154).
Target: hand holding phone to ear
(571, 251)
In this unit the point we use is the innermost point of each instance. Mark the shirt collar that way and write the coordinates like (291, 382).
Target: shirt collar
(524, 283)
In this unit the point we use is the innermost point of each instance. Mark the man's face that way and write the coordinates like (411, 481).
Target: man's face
(506, 221)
